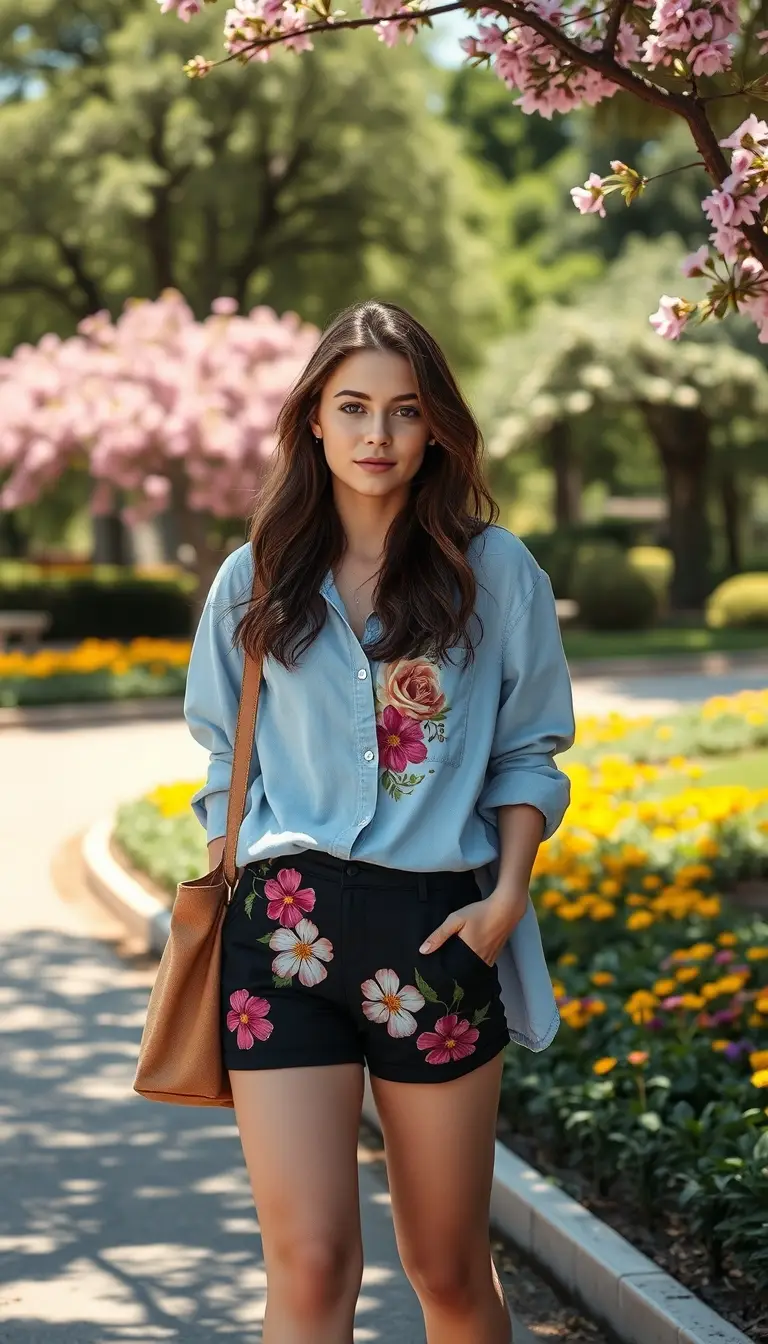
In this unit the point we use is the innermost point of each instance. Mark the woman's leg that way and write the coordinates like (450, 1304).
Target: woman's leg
(439, 1142)
(299, 1130)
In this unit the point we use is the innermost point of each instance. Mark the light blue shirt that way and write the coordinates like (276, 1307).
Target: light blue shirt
(402, 765)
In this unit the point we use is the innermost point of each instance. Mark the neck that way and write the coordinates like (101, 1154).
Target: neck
(366, 520)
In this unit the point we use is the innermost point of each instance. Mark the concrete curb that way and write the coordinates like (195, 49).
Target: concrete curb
(92, 712)
(615, 1283)
(144, 916)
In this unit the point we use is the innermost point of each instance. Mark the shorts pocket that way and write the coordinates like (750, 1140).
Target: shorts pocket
(463, 962)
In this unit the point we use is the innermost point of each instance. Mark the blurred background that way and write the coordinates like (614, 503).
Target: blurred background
(169, 250)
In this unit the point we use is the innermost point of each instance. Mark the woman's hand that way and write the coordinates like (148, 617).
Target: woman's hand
(485, 925)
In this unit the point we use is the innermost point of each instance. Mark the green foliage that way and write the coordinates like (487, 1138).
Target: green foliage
(741, 601)
(108, 604)
(129, 178)
(611, 593)
(655, 563)
(558, 552)
(168, 849)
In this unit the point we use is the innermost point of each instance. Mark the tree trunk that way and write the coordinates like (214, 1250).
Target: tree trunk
(194, 529)
(111, 540)
(730, 503)
(682, 439)
(567, 474)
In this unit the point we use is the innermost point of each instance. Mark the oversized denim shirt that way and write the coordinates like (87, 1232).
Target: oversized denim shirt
(404, 764)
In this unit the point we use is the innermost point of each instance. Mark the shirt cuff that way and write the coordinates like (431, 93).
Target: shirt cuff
(549, 793)
(210, 808)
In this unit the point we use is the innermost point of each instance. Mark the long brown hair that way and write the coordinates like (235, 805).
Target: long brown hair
(296, 534)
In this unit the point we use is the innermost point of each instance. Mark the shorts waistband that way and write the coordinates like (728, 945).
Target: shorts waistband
(358, 872)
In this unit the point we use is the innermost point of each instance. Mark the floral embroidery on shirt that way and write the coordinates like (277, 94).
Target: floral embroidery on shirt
(411, 712)
(247, 1016)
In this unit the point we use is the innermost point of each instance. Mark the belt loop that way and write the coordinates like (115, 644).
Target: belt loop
(423, 887)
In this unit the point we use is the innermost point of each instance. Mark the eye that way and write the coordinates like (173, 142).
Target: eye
(352, 406)
(412, 412)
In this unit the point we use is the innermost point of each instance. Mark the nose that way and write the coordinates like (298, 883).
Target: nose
(377, 431)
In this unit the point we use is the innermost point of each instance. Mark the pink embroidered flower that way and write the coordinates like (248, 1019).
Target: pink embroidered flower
(453, 1038)
(289, 902)
(412, 685)
(385, 1001)
(247, 1016)
(301, 952)
(400, 740)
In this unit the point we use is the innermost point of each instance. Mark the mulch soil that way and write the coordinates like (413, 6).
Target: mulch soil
(668, 1244)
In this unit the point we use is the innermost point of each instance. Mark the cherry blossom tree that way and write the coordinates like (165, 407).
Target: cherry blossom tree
(558, 55)
(162, 411)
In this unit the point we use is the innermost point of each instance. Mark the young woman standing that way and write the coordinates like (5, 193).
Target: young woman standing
(414, 695)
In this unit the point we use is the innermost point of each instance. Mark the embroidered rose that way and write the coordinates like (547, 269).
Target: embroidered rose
(289, 902)
(301, 952)
(452, 1038)
(400, 740)
(384, 1001)
(412, 685)
(247, 1016)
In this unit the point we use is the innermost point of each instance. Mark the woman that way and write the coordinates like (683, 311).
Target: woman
(414, 695)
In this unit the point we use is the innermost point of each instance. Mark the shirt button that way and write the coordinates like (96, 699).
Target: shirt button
(362, 674)
(366, 820)
(368, 755)
(351, 870)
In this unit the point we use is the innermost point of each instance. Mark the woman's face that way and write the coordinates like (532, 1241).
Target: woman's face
(370, 420)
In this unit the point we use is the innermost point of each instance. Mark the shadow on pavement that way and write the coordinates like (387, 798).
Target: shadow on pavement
(122, 1219)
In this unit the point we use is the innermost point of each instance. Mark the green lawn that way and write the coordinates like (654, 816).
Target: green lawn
(660, 642)
(750, 768)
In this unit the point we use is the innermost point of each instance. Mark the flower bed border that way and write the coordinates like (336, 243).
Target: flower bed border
(595, 1266)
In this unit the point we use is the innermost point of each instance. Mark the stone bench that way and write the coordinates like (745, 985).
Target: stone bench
(29, 626)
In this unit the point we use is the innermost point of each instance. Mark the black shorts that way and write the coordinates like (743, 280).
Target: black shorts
(321, 965)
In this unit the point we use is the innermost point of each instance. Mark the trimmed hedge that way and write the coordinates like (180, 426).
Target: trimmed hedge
(109, 603)
(558, 552)
(611, 593)
(741, 601)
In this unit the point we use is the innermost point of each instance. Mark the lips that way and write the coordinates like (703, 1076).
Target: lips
(375, 462)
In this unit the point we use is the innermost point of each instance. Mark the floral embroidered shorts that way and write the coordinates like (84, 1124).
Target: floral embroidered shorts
(320, 965)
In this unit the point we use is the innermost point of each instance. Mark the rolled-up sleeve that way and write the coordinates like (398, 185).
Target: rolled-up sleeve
(535, 715)
(212, 697)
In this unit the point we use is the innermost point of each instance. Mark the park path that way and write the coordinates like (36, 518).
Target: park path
(122, 1220)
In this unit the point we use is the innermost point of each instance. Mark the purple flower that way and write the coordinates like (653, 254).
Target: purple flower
(735, 1049)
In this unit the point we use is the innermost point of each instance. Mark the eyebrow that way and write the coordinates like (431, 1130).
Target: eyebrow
(363, 396)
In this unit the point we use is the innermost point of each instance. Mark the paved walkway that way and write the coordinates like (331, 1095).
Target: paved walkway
(122, 1220)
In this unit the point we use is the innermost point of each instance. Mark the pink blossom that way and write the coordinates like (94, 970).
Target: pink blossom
(288, 900)
(400, 739)
(247, 1016)
(751, 129)
(710, 58)
(390, 31)
(763, 40)
(669, 322)
(386, 1001)
(719, 207)
(301, 952)
(452, 1038)
(727, 241)
(589, 199)
(693, 265)
(381, 9)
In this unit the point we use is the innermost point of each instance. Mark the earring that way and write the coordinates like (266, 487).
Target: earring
(432, 443)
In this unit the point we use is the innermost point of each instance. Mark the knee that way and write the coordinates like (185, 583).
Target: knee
(446, 1279)
(317, 1272)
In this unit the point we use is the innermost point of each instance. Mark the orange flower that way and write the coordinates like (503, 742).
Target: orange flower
(604, 1065)
(637, 1057)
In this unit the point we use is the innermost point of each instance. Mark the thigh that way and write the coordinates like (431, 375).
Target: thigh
(440, 1143)
(299, 1131)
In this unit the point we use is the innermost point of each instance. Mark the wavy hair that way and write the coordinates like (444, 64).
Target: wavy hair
(425, 595)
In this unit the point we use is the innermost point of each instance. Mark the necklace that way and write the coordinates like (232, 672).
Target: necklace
(356, 600)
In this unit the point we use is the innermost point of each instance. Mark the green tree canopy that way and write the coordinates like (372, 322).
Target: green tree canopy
(319, 182)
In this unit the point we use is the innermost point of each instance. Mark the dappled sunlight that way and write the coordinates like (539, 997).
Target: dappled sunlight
(121, 1219)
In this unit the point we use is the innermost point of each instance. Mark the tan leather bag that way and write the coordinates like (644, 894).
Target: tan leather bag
(180, 1052)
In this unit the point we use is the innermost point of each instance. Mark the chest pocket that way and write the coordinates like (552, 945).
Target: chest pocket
(424, 706)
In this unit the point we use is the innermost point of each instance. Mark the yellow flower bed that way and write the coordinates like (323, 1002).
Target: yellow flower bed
(96, 655)
(614, 729)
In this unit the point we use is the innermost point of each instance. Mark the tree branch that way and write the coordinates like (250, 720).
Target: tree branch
(73, 257)
(23, 284)
(614, 23)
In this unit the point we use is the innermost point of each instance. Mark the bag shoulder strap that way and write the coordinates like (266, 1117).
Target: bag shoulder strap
(241, 757)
